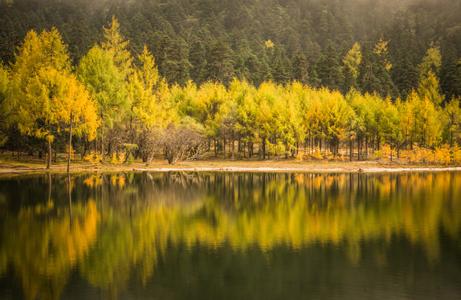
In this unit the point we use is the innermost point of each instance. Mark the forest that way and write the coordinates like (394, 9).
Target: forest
(118, 81)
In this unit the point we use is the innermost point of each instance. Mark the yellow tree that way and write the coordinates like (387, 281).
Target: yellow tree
(38, 53)
(77, 111)
(241, 94)
(105, 71)
(4, 86)
(427, 127)
(150, 110)
(265, 120)
(334, 118)
(429, 69)
(107, 86)
(352, 61)
(406, 121)
(114, 42)
(311, 107)
(452, 113)
(55, 102)
(142, 91)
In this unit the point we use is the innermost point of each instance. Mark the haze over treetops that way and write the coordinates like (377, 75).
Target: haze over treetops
(217, 40)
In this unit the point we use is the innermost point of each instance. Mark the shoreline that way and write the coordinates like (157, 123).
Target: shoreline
(303, 170)
(228, 166)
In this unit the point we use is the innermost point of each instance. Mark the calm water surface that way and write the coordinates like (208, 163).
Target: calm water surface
(231, 236)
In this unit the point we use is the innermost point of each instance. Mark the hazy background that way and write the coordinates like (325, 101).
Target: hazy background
(219, 39)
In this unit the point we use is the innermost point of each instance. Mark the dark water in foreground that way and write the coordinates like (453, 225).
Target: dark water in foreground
(231, 236)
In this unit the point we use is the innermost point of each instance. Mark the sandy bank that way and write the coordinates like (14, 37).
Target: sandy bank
(18, 167)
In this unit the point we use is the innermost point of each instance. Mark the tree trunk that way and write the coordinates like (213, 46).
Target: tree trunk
(263, 148)
(351, 149)
(102, 144)
(49, 187)
(69, 153)
(233, 148)
(55, 154)
(224, 147)
(286, 150)
(85, 149)
(102, 138)
(69, 197)
(48, 158)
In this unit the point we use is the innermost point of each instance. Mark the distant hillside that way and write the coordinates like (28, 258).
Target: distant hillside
(219, 39)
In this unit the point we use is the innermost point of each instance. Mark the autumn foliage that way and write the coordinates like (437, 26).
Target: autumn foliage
(120, 109)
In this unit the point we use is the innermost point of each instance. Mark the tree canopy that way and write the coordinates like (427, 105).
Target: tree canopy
(313, 41)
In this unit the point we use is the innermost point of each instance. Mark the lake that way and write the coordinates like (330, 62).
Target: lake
(231, 236)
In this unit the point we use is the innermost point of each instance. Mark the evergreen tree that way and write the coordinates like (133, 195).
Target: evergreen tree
(329, 69)
(405, 75)
(220, 65)
(300, 68)
(174, 62)
(368, 78)
(198, 61)
(451, 77)
(280, 66)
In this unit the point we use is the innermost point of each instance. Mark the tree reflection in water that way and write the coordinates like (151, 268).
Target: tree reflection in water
(115, 228)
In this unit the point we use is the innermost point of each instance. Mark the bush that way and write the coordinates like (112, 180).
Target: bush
(384, 153)
(150, 141)
(419, 155)
(93, 157)
(299, 156)
(442, 155)
(457, 155)
(118, 158)
(317, 154)
(183, 141)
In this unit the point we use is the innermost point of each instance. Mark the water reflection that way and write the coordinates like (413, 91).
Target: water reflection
(114, 229)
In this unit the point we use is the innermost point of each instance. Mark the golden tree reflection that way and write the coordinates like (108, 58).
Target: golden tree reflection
(136, 218)
(267, 211)
(43, 244)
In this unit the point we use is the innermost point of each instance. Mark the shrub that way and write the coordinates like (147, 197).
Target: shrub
(299, 156)
(183, 141)
(93, 157)
(317, 154)
(420, 155)
(442, 155)
(118, 158)
(457, 155)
